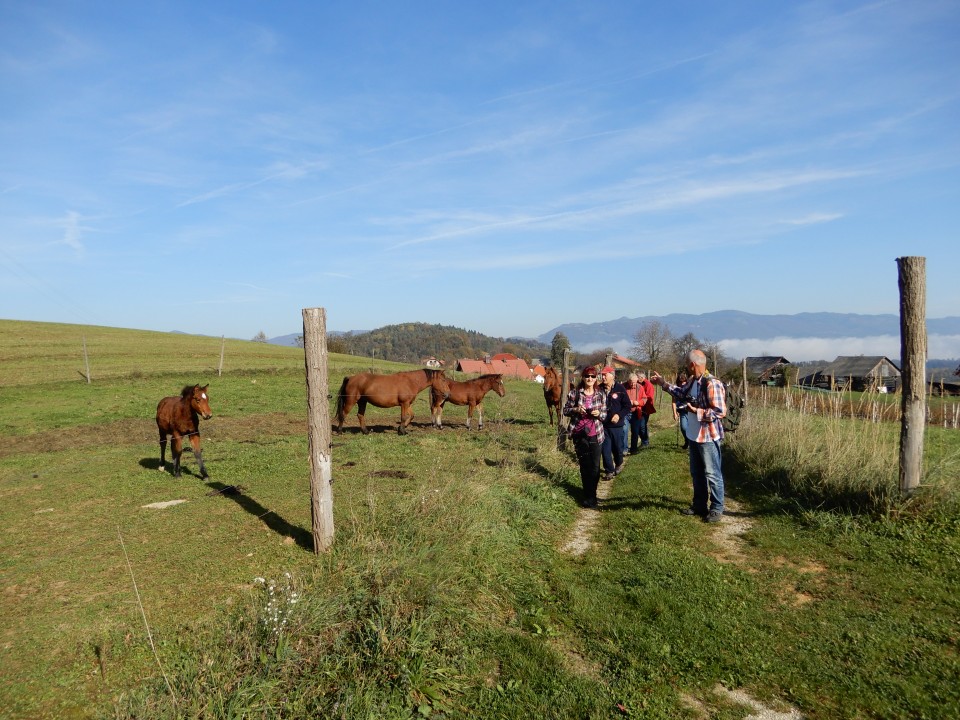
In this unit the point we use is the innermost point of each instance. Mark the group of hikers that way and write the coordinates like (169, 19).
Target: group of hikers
(609, 421)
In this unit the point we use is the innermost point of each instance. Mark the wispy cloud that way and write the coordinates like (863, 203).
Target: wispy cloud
(72, 231)
(282, 171)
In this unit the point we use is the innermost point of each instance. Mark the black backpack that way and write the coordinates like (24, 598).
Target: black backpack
(735, 404)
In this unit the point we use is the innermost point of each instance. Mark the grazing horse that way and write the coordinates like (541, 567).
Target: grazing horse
(179, 417)
(469, 393)
(552, 392)
(386, 391)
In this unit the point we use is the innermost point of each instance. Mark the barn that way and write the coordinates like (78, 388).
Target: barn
(767, 370)
(857, 372)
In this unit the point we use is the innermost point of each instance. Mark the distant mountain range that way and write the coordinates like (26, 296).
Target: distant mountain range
(724, 326)
(736, 325)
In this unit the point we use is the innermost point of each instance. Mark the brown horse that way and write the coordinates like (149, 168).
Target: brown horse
(386, 391)
(469, 393)
(179, 417)
(552, 392)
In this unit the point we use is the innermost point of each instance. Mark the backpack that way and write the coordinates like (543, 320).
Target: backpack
(735, 405)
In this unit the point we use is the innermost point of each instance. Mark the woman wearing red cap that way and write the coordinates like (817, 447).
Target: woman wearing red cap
(586, 407)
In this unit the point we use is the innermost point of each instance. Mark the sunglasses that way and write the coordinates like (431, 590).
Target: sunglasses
(589, 377)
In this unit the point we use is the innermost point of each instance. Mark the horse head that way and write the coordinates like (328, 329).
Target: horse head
(200, 402)
(498, 386)
(439, 384)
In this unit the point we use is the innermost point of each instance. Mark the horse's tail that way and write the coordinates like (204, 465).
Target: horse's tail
(341, 400)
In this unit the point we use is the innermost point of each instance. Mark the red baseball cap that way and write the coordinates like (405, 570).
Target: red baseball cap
(608, 369)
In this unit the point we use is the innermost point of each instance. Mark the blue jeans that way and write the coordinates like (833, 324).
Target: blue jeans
(625, 440)
(707, 476)
(642, 429)
(612, 449)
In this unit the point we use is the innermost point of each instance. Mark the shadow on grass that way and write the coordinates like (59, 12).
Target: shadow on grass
(303, 538)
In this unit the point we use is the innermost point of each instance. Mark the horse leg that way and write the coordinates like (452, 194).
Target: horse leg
(437, 413)
(198, 453)
(163, 449)
(406, 416)
(479, 416)
(176, 449)
(361, 411)
(342, 412)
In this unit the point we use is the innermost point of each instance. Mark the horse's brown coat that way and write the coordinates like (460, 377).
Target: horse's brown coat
(552, 392)
(469, 393)
(179, 417)
(386, 391)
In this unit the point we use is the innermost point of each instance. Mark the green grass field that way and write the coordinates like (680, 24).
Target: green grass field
(448, 592)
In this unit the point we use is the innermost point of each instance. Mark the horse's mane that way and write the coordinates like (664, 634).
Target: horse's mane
(187, 391)
(490, 375)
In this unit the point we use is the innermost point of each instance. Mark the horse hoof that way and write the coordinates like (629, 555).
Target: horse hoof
(160, 468)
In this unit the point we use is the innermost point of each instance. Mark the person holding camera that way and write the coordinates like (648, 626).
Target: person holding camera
(586, 406)
(703, 398)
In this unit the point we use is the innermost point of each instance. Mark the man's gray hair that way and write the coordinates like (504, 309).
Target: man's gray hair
(697, 357)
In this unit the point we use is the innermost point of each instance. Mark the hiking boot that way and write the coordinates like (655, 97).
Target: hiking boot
(591, 504)
(608, 476)
(619, 469)
(713, 516)
(691, 511)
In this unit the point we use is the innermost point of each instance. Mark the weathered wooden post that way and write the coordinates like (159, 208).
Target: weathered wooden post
(746, 396)
(564, 384)
(86, 361)
(223, 342)
(318, 427)
(913, 359)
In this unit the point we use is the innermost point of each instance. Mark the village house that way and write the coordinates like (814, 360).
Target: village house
(767, 370)
(876, 373)
(503, 364)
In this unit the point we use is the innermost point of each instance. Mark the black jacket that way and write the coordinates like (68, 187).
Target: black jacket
(617, 404)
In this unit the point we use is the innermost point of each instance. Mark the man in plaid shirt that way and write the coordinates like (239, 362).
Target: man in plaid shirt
(704, 398)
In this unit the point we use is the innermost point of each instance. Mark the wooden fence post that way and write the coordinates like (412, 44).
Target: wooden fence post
(746, 397)
(86, 361)
(913, 359)
(223, 342)
(318, 427)
(564, 382)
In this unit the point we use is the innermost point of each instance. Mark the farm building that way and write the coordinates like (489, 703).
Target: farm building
(856, 372)
(503, 363)
(619, 362)
(767, 370)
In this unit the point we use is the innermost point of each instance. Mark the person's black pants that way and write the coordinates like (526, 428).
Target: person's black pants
(588, 454)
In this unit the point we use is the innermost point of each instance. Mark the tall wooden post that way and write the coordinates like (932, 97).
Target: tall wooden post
(913, 360)
(86, 361)
(223, 342)
(564, 384)
(746, 395)
(318, 427)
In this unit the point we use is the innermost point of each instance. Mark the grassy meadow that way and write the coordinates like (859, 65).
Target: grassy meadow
(449, 592)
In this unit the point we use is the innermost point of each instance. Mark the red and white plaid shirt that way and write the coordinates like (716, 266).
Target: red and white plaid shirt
(710, 407)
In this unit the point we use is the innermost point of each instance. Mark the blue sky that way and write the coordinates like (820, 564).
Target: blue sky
(504, 167)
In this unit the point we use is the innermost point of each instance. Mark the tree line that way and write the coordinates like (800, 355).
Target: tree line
(412, 342)
(655, 348)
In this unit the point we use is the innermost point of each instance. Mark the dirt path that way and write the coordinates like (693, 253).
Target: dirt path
(730, 547)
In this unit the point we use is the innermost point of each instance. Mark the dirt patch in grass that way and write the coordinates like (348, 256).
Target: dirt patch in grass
(728, 533)
(581, 537)
(725, 697)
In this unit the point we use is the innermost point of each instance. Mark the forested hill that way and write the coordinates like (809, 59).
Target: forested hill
(411, 342)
